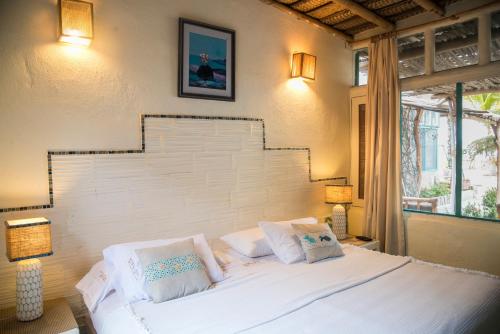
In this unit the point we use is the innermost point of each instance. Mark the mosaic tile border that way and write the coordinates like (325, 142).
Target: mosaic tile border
(50, 153)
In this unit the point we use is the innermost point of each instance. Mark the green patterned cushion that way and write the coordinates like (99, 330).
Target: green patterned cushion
(318, 241)
(172, 271)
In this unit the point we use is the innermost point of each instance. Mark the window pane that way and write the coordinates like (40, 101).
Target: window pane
(361, 67)
(427, 153)
(411, 55)
(495, 36)
(480, 153)
(456, 45)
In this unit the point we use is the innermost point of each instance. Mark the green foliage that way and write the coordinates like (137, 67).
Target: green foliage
(486, 145)
(436, 190)
(472, 210)
(490, 101)
(489, 206)
(490, 203)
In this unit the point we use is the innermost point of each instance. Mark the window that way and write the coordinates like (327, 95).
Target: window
(429, 140)
(411, 55)
(358, 149)
(495, 36)
(361, 67)
(450, 151)
(361, 150)
(429, 148)
(480, 155)
(456, 45)
(427, 144)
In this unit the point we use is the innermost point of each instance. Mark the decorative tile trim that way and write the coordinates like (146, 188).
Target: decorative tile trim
(50, 153)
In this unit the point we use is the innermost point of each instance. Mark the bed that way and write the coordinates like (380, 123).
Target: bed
(361, 292)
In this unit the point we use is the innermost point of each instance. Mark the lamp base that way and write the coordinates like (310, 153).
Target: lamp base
(339, 222)
(29, 290)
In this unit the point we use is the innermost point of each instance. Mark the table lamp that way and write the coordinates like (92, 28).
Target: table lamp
(26, 241)
(340, 196)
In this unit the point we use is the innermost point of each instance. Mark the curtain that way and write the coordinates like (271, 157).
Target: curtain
(383, 219)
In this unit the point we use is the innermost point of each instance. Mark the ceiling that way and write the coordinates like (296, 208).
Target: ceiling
(349, 17)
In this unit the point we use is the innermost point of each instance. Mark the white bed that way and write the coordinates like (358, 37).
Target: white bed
(361, 292)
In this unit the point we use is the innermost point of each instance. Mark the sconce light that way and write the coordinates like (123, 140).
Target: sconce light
(303, 65)
(76, 22)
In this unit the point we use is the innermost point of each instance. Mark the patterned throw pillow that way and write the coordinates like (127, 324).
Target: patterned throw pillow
(172, 271)
(318, 241)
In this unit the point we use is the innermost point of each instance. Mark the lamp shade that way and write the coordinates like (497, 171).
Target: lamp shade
(76, 23)
(27, 238)
(338, 194)
(303, 65)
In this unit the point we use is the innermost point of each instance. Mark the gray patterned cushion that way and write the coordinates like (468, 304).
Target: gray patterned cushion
(318, 241)
(172, 271)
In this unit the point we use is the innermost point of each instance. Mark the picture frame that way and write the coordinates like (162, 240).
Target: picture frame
(206, 68)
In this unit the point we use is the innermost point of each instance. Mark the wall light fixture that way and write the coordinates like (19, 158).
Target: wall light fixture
(303, 65)
(76, 22)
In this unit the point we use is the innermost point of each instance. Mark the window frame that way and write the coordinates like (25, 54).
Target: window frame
(458, 163)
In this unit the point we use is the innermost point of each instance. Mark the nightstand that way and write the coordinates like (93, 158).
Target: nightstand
(371, 245)
(57, 318)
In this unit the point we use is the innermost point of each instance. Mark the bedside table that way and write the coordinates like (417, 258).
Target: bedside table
(371, 245)
(57, 318)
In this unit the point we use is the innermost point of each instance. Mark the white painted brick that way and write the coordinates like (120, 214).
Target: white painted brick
(197, 176)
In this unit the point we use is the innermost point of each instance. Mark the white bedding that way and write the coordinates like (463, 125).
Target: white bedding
(363, 291)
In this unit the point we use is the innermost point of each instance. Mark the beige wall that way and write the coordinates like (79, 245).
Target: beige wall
(464, 243)
(58, 97)
(356, 220)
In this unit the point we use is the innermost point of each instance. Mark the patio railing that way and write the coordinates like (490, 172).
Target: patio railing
(421, 204)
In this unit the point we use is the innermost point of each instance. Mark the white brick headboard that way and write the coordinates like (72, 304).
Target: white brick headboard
(193, 174)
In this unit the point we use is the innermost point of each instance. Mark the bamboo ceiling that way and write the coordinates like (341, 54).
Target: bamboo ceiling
(348, 17)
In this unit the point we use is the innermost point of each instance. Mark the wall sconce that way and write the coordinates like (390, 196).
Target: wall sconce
(303, 65)
(76, 22)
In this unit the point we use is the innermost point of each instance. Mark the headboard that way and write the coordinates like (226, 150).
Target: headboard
(192, 174)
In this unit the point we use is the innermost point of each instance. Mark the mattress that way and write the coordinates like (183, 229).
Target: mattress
(363, 291)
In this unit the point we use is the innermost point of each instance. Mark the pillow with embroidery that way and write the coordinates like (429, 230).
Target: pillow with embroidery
(318, 241)
(172, 271)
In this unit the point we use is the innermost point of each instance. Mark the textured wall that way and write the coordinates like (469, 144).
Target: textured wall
(56, 97)
(463, 243)
(196, 176)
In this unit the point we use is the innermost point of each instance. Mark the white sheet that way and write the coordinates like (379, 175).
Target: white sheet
(301, 298)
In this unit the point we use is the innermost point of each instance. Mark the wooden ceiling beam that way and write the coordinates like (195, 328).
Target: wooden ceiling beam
(430, 6)
(368, 15)
(299, 15)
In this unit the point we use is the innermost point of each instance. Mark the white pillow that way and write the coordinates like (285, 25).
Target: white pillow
(251, 242)
(128, 277)
(95, 285)
(282, 239)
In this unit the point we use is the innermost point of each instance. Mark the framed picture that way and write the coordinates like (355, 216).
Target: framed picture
(206, 61)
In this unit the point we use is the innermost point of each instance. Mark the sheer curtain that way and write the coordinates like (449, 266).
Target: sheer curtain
(383, 209)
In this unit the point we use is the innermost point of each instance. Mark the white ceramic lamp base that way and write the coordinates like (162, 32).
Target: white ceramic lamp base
(29, 290)
(339, 222)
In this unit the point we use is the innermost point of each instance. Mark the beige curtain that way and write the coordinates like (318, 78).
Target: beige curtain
(383, 210)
